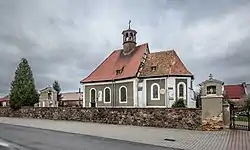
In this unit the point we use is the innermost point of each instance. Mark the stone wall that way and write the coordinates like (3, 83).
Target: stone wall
(186, 118)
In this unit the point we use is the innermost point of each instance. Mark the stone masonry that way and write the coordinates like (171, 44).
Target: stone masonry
(181, 118)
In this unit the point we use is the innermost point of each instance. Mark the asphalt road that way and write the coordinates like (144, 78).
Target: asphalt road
(25, 138)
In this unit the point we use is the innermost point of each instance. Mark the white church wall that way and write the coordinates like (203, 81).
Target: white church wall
(139, 90)
(135, 92)
(145, 90)
(190, 96)
(141, 94)
(171, 92)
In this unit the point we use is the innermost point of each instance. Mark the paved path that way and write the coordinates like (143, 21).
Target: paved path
(184, 139)
(39, 139)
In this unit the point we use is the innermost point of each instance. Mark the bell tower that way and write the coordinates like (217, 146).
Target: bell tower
(129, 40)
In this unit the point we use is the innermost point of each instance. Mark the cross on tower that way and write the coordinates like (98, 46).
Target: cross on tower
(129, 22)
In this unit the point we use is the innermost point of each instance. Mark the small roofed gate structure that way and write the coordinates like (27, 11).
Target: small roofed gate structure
(240, 115)
(236, 96)
(215, 116)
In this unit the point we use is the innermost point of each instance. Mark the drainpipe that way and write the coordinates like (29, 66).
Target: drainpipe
(113, 91)
(166, 93)
(79, 97)
(137, 86)
(115, 94)
(166, 84)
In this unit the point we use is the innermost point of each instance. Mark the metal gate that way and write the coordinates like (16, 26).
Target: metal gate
(240, 117)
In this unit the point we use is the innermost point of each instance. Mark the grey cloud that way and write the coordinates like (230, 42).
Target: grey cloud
(196, 10)
(65, 40)
(238, 55)
(234, 66)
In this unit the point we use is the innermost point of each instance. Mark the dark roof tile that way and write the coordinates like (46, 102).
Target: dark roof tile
(166, 62)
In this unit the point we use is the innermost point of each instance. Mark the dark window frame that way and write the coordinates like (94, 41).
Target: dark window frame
(213, 87)
(181, 90)
(107, 95)
(123, 94)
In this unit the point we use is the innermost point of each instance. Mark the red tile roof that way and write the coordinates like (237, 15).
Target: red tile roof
(4, 99)
(234, 91)
(166, 62)
(106, 71)
(71, 96)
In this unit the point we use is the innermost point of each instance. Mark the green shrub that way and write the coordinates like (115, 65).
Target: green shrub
(179, 103)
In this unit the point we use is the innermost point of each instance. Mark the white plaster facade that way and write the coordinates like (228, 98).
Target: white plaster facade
(170, 83)
(139, 96)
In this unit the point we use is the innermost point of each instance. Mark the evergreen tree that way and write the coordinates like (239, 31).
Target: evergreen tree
(57, 88)
(23, 91)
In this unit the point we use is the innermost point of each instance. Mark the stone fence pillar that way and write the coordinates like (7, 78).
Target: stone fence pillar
(212, 113)
(226, 114)
(212, 101)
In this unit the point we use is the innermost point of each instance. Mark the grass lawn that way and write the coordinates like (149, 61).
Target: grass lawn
(241, 118)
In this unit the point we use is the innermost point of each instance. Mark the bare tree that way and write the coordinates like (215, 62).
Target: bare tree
(247, 102)
(198, 98)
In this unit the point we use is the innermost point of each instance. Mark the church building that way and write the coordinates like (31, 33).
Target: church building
(134, 77)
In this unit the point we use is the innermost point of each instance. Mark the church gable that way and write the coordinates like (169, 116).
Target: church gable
(118, 66)
(163, 63)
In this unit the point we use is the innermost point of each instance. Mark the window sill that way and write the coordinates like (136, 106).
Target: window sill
(212, 94)
(155, 99)
(122, 102)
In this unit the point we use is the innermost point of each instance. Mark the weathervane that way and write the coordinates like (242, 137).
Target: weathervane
(129, 22)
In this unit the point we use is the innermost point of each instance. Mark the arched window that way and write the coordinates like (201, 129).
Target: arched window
(123, 94)
(126, 37)
(155, 91)
(92, 95)
(131, 34)
(181, 90)
(49, 95)
(107, 95)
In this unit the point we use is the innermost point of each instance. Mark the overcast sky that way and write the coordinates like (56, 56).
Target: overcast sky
(65, 40)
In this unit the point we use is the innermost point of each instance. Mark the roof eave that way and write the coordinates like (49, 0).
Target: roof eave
(159, 76)
(109, 80)
(213, 80)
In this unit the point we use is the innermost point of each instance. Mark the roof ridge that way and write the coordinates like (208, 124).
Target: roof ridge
(5, 97)
(105, 60)
(141, 45)
(163, 51)
(138, 70)
(70, 92)
(177, 56)
(233, 85)
(99, 65)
